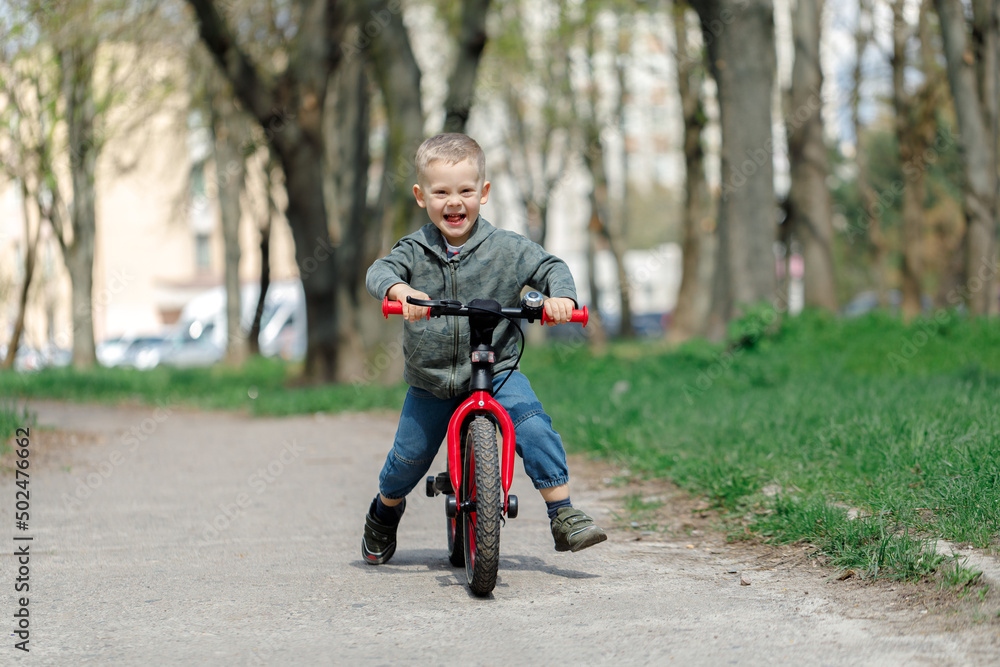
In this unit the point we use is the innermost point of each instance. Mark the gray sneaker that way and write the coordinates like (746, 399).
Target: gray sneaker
(573, 530)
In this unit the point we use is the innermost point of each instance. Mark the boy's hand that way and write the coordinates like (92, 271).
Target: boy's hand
(411, 313)
(558, 310)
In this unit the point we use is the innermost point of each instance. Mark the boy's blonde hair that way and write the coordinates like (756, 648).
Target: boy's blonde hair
(452, 147)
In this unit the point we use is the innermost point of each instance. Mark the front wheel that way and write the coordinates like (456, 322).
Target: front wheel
(481, 486)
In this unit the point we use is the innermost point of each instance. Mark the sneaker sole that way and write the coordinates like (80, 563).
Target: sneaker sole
(592, 535)
(373, 558)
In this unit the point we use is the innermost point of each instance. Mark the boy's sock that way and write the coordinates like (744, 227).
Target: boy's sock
(390, 516)
(554, 505)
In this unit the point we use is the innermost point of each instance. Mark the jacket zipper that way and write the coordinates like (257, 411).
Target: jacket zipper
(454, 349)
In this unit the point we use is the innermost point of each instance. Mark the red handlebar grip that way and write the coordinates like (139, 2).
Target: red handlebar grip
(394, 308)
(579, 315)
(391, 307)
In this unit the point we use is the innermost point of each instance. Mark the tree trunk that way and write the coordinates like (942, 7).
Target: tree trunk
(742, 62)
(593, 154)
(688, 320)
(621, 218)
(270, 213)
(398, 76)
(253, 338)
(972, 73)
(536, 136)
(870, 224)
(230, 172)
(77, 64)
(462, 82)
(599, 200)
(810, 206)
(535, 178)
(289, 106)
(315, 256)
(348, 158)
(915, 125)
(30, 251)
(598, 336)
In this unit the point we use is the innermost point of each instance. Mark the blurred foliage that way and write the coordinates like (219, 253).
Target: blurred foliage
(942, 167)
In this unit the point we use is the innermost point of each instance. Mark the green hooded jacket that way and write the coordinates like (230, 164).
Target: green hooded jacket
(493, 264)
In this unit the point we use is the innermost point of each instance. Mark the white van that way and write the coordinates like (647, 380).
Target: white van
(201, 328)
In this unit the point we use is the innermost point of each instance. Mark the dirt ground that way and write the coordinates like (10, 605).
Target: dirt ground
(168, 536)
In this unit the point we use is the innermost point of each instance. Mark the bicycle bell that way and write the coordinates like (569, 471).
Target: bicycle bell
(533, 299)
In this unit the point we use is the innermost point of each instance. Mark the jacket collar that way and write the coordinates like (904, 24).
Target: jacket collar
(430, 237)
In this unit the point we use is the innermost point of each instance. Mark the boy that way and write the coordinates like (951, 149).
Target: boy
(459, 255)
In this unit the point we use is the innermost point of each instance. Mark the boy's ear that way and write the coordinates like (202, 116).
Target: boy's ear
(419, 195)
(486, 193)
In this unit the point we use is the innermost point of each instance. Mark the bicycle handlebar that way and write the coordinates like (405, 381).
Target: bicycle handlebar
(439, 308)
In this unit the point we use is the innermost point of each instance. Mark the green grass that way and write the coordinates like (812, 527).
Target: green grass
(261, 387)
(807, 420)
(899, 422)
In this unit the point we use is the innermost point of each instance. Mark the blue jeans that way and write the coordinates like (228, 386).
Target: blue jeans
(423, 426)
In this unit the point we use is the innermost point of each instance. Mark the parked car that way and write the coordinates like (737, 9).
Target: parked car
(110, 352)
(145, 352)
(199, 337)
(193, 345)
(283, 321)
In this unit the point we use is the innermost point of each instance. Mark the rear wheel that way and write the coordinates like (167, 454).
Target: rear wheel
(456, 543)
(481, 486)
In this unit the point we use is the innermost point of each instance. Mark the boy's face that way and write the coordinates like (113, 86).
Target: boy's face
(452, 195)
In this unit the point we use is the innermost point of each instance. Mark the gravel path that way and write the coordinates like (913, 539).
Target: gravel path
(176, 537)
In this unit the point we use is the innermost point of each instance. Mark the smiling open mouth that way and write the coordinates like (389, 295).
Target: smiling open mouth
(454, 218)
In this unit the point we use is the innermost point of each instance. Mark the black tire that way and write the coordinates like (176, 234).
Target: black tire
(481, 537)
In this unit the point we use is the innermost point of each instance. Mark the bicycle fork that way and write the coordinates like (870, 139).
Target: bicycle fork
(482, 403)
(478, 404)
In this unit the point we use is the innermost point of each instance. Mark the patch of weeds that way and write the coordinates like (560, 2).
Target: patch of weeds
(871, 546)
(11, 419)
(728, 485)
(956, 576)
(898, 554)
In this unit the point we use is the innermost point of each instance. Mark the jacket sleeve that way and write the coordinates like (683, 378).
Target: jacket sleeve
(547, 273)
(396, 267)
